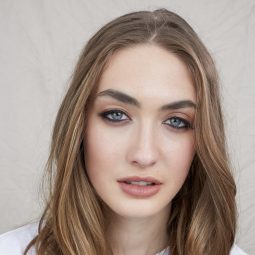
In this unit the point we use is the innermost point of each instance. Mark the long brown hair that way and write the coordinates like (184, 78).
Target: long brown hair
(203, 213)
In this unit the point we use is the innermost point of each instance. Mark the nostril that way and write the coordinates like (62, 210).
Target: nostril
(142, 155)
(143, 164)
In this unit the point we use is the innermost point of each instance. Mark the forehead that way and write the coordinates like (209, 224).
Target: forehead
(148, 71)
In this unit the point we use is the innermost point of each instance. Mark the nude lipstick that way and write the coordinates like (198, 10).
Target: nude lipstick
(140, 186)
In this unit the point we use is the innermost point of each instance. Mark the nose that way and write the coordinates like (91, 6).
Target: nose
(143, 151)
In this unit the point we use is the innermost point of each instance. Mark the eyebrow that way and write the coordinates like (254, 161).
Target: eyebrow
(124, 98)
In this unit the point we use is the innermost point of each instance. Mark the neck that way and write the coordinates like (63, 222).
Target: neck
(135, 236)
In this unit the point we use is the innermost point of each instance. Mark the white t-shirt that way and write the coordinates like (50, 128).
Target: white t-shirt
(15, 241)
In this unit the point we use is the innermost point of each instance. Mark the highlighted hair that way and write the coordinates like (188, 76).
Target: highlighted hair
(203, 213)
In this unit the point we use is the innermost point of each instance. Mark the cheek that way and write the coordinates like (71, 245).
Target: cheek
(103, 150)
(179, 155)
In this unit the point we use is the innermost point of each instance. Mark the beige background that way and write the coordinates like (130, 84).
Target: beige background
(39, 45)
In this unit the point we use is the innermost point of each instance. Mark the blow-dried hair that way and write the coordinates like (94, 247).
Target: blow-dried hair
(203, 213)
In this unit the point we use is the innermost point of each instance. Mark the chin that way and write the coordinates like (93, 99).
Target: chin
(137, 209)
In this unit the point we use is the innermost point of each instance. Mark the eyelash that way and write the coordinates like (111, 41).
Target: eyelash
(185, 124)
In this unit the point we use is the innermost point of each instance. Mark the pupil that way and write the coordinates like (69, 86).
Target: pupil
(176, 121)
(117, 115)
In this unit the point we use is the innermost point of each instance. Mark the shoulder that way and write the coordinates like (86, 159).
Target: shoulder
(234, 251)
(237, 251)
(15, 241)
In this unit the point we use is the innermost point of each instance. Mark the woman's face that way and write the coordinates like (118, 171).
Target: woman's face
(140, 126)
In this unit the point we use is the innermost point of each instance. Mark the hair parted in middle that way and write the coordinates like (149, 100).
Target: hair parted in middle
(203, 213)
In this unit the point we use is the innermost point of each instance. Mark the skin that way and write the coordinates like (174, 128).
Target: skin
(143, 141)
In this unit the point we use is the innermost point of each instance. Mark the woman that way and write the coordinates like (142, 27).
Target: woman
(138, 162)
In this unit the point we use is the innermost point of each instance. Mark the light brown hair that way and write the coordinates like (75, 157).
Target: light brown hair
(203, 213)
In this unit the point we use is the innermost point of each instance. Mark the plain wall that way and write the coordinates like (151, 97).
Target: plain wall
(39, 45)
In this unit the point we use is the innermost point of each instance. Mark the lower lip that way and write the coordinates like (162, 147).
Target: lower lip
(138, 190)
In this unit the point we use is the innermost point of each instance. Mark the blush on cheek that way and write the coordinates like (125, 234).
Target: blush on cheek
(180, 160)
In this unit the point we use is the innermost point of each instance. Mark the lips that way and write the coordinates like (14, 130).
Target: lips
(138, 178)
(132, 187)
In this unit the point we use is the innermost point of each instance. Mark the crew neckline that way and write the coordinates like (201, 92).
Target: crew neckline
(164, 251)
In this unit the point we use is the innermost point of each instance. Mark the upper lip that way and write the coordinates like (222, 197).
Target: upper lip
(138, 178)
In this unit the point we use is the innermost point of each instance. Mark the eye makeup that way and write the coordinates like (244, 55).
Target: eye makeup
(118, 116)
(114, 115)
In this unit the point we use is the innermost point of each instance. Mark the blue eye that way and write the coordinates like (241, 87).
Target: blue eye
(119, 116)
(178, 123)
(114, 115)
